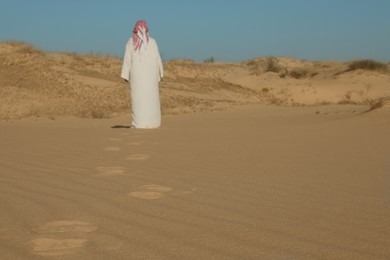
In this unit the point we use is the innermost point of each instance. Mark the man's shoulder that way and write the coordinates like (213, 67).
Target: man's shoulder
(151, 39)
(153, 42)
(130, 42)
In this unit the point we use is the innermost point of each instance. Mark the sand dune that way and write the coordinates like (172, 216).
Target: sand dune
(38, 83)
(307, 179)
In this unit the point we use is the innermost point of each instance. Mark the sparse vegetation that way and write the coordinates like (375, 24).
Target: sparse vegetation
(25, 48)
(301, 73)
(272, 65)
(367, 65)
(209, 60)
(379, 103)
(298, 73)
(347, 99)
(264, 90)
(252, 63)
(98, 114)
(255, 66)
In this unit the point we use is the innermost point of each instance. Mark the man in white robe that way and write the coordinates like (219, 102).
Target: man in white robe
(142, 67)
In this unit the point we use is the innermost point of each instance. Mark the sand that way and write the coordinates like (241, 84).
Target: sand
(253, 161)
(256, 182)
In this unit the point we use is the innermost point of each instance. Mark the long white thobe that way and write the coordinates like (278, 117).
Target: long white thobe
(144, 70)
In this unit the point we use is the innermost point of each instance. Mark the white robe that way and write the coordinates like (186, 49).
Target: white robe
(144, 69)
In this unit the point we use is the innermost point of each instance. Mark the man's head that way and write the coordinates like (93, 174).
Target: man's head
(141, 25)
(140, 36)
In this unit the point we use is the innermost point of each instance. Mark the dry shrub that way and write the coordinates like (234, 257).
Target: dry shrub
(379, 103)
(347, 99)
(300, 73)
(252, 63)
(255, 66)
(367, 65)
(272, 65)
(209, 60)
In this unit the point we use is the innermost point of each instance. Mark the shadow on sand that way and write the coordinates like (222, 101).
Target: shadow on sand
(120, 126)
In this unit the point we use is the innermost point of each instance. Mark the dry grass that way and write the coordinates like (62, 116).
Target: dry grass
(255, 66)
(209, 60)
(272, 65)
(277, 65)
(379, 103)
(262, 65)
(368, 65)
(300, 73)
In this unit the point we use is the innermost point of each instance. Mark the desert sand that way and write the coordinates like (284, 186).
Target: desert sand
(248, 164)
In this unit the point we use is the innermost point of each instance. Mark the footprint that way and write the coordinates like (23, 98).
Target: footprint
(112, 148)
(192, 190)
(56, 247)
(150, 192)
(131, 135)
(66, 226)
(137, 157)
(44, 246)
(134, 143)
(146, 195)
(111, 170)
(155, 187)
(115, 139)
(134, 136)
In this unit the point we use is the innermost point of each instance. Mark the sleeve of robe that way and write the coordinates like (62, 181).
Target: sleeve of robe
(125, 74)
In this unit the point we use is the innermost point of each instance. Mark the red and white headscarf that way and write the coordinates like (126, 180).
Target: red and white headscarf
(140, 36)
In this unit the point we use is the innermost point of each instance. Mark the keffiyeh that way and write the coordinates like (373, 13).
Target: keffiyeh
(140, 36)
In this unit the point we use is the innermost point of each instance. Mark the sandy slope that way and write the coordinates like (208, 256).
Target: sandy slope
(38, 83)
(258, 182)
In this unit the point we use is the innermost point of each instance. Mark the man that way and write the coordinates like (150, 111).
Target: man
(142, 66)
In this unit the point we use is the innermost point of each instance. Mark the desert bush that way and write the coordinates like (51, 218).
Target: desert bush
(301, 73)
(378, 103)
(297, 74)
(367, 65)
(252, 63)
(254, 66)
(209, 60)
(264, 90)
(347, 99)
(272, 65)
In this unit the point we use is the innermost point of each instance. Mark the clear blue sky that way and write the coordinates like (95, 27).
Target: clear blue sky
(229, 30)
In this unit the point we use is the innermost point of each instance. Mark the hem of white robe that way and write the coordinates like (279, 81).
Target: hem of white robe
(145, 127)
